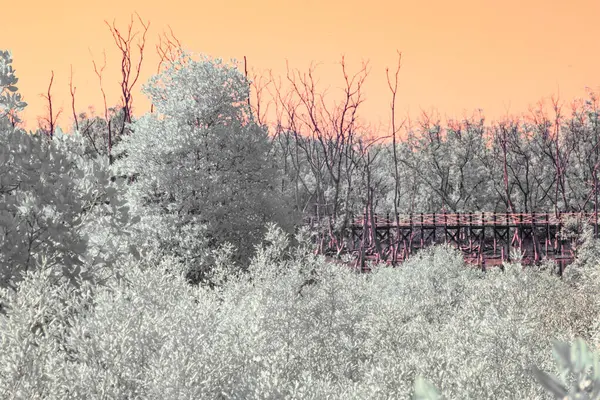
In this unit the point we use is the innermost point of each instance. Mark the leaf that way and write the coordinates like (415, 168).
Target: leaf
(111, 191)
(425, 390)
(596, 366)
(133, 250)
(595, 389)
(580, 355)
(12, 88)
(562, 354)
(550, 383)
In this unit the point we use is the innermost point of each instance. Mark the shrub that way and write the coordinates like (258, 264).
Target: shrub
(148, 334)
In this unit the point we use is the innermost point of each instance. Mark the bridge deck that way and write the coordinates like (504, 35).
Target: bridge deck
(485, 238)
(474, 219)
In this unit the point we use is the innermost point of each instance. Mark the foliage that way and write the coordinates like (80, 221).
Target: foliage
(200, 161)
(577, 363)
(107, 222)
(94, 129)
(84, 315)
(529, 164)
(10, 101)
(268, 334)
(51, 202)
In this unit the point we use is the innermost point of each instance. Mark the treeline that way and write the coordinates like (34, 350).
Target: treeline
(336, 166)
(211, 156)
(535, 163)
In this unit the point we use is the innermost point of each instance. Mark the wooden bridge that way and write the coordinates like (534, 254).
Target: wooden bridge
(485, 239)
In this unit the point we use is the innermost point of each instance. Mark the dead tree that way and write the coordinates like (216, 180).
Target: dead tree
(397, 186)
(501, 137)
(552, 149)
(169, 51)
(106, 117)
(365, 155)
(51, 119)
(72, 90)
(258, 84)
(124, 45)
(330, 128)
(561, 157)
(89, 123)
(128, 80)
(394, 90)
(303, 155)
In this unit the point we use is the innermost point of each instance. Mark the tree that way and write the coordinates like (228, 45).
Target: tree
(10, 101)
(48, 124)
(51, 199)
(48, 203)
(201, 160)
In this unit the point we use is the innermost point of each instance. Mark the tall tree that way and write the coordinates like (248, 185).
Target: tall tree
(202, 161)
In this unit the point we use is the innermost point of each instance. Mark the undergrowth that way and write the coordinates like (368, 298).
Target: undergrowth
(293, 326)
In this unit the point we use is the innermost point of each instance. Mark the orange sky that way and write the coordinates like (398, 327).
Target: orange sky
(457, 55)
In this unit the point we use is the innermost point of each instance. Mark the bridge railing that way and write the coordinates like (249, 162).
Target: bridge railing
(475, 219)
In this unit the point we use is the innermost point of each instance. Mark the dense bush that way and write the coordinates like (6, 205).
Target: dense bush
(52, 200)
(273, 334)
(10, 101)
(55, 202)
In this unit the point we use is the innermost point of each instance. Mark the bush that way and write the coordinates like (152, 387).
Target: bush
(49, 205)
(55, 203)
(148, 334)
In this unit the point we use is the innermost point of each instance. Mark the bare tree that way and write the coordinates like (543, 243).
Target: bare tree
(365, 154)
(106, 117)
(549, 138)
(501, 137)
(89, 123)
(561, 160)
(330, 128)
(169, 50)
(72, 90)
(124, 45)
(51, 119)
(394, 90)
(259, 83)
(303, 152)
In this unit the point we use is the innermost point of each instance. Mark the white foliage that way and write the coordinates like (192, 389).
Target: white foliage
(148, 334)
(51, 201)
(10, 101)
(200, 161)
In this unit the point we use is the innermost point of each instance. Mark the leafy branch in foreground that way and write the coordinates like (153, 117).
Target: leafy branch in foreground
(579, 365)
(579, 369)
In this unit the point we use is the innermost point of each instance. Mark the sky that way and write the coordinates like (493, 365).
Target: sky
(457, 56)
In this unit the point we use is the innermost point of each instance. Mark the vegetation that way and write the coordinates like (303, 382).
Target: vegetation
(149, 334)
(161, 257)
